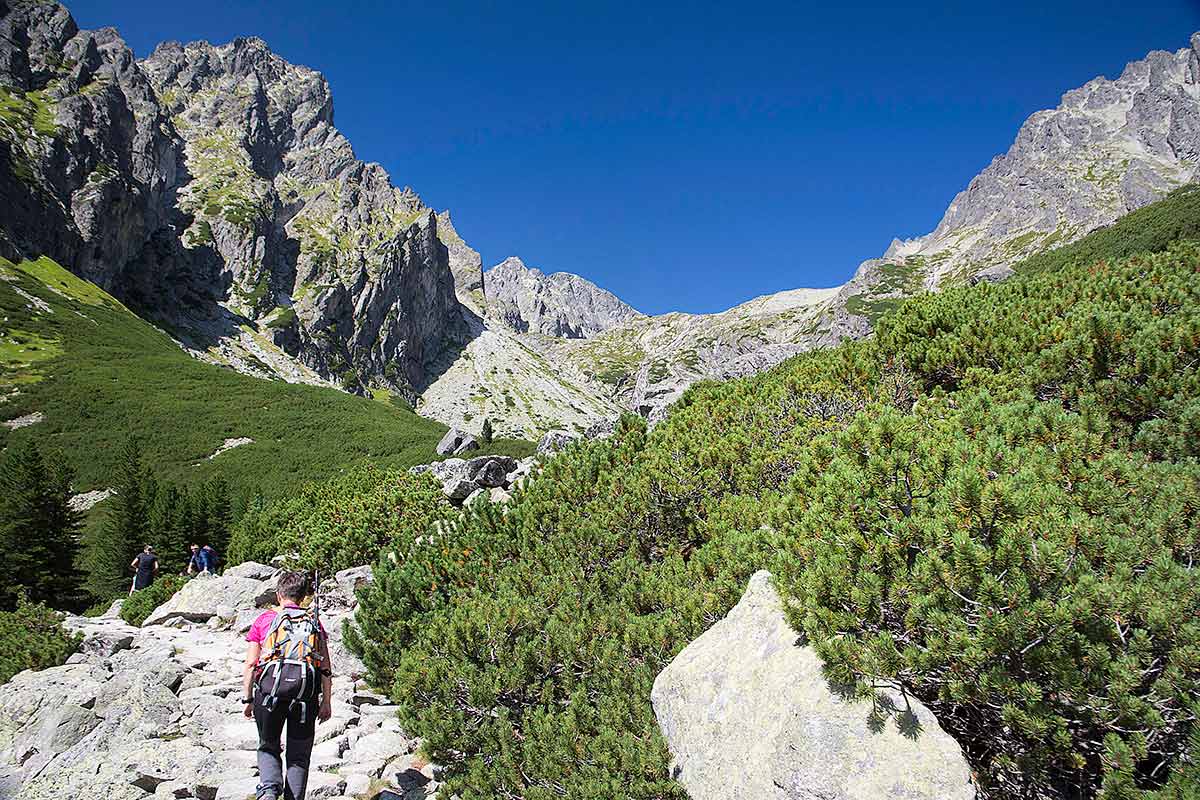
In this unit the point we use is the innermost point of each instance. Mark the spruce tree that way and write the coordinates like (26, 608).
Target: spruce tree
(486, 436)
(38, 529)
(170, 526)
(109, 548)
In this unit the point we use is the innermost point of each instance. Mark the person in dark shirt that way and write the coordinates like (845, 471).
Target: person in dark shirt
(146, 566)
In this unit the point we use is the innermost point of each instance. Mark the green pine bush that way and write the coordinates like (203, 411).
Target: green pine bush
(32, 637)
(340, 523)
(993, 503)
(139, 605)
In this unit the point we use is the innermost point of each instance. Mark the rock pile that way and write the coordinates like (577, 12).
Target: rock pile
(154, 712)
(748, 714)
(465, 481)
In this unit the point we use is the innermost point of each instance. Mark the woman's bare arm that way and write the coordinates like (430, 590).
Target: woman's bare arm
(326, 682)
(248, 666)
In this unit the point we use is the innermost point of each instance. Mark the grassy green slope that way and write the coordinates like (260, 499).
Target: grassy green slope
(98, 373)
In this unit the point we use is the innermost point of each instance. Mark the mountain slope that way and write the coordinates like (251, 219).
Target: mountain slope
(1110, 147)
(208, 189)
(80, 372)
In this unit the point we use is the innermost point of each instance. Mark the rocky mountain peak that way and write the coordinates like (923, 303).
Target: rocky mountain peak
(1110, 147)
(208, 186)
(558, 304)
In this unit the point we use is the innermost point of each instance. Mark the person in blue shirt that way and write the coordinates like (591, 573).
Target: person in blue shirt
(204, 559)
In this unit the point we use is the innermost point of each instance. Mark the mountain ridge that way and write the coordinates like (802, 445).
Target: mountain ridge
(208, 187)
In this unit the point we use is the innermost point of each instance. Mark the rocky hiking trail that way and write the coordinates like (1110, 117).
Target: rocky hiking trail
(154, 712)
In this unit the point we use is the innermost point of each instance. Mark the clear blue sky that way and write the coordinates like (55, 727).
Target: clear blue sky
(685, 156)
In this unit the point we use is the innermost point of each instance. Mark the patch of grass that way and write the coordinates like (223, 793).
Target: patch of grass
(110, 374)
(283, 319)
(28, 112)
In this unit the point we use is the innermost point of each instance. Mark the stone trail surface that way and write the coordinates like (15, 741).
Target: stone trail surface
(153, 712)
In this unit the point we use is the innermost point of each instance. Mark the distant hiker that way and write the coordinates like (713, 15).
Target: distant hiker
(211, 559)
(287, 680)
(204, 559)
(145, 565)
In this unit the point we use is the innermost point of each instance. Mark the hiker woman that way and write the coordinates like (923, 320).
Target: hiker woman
(146, 565)
(287, 681)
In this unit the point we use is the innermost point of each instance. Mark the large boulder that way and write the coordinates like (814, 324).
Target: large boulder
(455, 442)
(490, 471)
(253, 570)
(747, 714)
(203, 598)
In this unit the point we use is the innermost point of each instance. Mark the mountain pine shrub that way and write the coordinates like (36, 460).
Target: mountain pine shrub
(32, 637)
(993, 504)
(340, 523)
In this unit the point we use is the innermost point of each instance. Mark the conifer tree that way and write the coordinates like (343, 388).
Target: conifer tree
(109, 548)
(38, 529)
(170, 526)
(486, 435)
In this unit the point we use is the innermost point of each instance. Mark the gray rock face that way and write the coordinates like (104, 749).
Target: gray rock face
(456, 442)
(465, 262)
(747, 714)
(559, 304)
(208, 181)
(1110, 147)
(204, 597)
(160, 718)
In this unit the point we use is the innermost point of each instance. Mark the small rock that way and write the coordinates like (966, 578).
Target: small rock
(555, 440)
(350, 580)
(490, 471)
(459, 488)
(357, 785)
(467, 446)
(601, 429)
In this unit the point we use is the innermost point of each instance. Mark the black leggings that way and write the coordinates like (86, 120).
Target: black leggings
(300, 719)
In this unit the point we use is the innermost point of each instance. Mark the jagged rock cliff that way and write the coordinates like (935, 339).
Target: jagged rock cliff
(1110, 147)
(560, 304)
(208, 186)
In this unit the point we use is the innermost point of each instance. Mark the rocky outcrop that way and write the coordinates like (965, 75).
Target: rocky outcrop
(559, 304)
(1110, 147)
(464, 480)
(207, 596)
(748, 714)
(208, 187)
(465, 263)
(157, 716)
(554, 440)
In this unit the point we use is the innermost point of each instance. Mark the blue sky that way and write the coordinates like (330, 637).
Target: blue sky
(685, 156)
